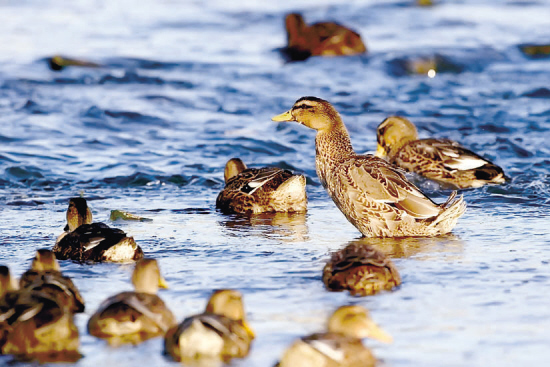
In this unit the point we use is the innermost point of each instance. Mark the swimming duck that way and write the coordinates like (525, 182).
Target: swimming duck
(319, 39)
(133, 317)
(87, 241)
(341, 346)
(260, 190)
(375, 196)
(437, 159)
(221, 332)
(37, 327)
(45, 275)
(361, 269)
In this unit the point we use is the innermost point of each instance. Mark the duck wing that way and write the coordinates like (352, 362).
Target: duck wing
(367, 176)
(448, 153)
(251, 180)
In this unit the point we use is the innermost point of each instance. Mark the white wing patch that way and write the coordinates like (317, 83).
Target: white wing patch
(464, 163)
(328, 350)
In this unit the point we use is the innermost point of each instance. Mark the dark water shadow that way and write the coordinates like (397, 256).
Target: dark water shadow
(287, 227)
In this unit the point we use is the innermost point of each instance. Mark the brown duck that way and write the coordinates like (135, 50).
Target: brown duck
(361, 269)
(220, 333)
(375, 196)
(440, 160)
(86, 241)
(319, 39)
(260, 190)
(133, 317)
(341, 346)
(45, 276)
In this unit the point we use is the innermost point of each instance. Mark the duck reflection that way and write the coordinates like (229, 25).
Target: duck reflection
(421, 248)
(287, 227)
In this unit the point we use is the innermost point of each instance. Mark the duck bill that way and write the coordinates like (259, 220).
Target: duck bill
(380, 151)
(286, 116)
(163, 283)
(376, 332)
(248, 330)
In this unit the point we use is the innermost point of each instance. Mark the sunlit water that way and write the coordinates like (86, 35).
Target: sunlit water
(187, 85)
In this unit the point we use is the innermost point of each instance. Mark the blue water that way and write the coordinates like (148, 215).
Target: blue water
(185, 86)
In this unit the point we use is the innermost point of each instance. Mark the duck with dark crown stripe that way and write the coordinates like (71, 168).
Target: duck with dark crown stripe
(87, 241)
(45, 276)
(220, 333)
(374, 195)
(319, 39)
(440, 160)
(133, 317)
(261, 190)
(341, 346)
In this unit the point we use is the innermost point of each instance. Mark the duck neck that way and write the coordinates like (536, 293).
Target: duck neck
(332, 146)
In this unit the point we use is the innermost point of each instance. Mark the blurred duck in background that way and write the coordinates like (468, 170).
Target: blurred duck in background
(441, 160)
(319, 39)
(58, 63)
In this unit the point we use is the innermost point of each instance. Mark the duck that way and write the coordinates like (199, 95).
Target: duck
(86, 241)
(361, 269)
(261, 190)
(220, 333)
(373, 195)
(133, 317)
(341, 346)
(45, 275)
(33, 325)
(319, 39)
(441, 160)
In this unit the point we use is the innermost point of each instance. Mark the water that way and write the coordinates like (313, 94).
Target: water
(188, 85)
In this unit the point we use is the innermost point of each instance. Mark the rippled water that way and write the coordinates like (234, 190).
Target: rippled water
(187, 85)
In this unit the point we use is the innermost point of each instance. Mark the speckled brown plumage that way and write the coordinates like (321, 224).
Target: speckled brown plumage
(361, 269)
(260, 190)
(441, 160)
(374, 195)
(319, 39)
(87, 241)
(133, 317)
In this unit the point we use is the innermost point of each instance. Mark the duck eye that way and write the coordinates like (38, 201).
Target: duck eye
(303, 106)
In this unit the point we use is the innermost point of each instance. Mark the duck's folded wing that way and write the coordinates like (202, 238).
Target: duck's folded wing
(449, 153)
(384, 183)
(259, 178)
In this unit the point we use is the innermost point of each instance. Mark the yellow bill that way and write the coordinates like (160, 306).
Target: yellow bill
(380, 151)
(376, 332)
(162, 282)
(286, 116)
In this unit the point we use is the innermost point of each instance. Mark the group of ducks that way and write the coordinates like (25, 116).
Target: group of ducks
(372, 191)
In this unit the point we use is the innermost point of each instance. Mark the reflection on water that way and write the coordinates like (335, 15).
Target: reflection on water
(448, 246)
(286, 227)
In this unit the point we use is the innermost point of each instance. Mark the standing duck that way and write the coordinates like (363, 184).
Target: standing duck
(361, 269)
(260, 190)
(45, 275)
(87, 241)
(341, 346)
(133, 317)
(375, 196)
(319, 39)
(221, 332)
(437, 159)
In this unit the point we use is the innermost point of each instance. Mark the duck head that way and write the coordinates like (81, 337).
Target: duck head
(147, 278)
(355, 321)
(45, 260)
(229, 303)
(392, 133)
(233, 167)
(312, 112)
(78, 214)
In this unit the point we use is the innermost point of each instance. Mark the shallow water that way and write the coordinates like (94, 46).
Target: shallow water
(185, 86)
